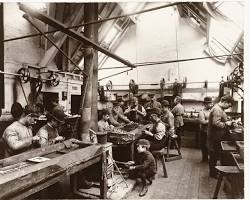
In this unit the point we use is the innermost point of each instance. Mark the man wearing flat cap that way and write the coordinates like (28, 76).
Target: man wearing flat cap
(48, 134)
(203, 118)
(218, 125)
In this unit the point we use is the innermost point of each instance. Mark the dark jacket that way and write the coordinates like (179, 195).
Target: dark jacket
(217, 128)
(145, 161)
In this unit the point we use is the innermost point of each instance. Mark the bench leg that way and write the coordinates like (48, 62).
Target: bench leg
(177, 147)
(217, 189)
(169, 145)
(164, 166)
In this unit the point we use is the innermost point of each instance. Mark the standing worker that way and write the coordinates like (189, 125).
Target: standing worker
(218, 125)
(178, 112)
(203, 118)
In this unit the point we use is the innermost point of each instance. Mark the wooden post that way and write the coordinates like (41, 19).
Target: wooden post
(94, 113)
(89, 9)
(1, 58)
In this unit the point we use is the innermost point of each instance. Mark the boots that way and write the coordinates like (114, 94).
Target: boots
(144, 191)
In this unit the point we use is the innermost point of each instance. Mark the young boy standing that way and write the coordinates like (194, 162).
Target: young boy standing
(145, 167)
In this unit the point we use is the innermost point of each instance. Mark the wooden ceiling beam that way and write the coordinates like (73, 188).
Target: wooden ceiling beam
(60, 38)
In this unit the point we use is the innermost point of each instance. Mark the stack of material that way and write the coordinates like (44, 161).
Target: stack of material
(118, 136)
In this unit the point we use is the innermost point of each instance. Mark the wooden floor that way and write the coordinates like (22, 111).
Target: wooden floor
(187, 179)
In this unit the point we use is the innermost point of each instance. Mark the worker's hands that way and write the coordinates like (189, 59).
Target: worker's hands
(111, 127)
(228, 123)
(59, 138)
(35, 138)
(131, 162)
(147, 132)
(131, 167)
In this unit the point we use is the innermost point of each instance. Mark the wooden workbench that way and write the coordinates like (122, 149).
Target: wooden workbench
(231, 157)
(20, 178)
(127, 149)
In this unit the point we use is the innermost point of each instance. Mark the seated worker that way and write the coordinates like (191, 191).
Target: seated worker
(156, 134)
(16, 111)
(103, 124)
(168, 119)
(18, 136)
(135, 112)
(48, 134)
(145, 166)
(117, 117)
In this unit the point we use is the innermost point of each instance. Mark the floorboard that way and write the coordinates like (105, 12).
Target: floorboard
(187, 179)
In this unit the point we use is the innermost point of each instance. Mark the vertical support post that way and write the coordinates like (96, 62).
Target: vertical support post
(103, 181)
(94, 113)
(1, 57)
(89, 14)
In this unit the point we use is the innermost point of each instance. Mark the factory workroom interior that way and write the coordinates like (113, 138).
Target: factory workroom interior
(122, 100)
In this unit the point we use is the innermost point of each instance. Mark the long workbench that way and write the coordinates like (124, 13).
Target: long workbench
(19, 178)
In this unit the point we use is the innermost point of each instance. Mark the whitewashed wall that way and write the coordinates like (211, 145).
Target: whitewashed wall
(153, 38)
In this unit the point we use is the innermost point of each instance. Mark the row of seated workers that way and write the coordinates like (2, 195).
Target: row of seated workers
(164, 121)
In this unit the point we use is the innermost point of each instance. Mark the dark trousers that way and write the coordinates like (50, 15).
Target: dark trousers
(178, 131)
(204, 149)
(214, 156)
(143, 175)
(154, 143)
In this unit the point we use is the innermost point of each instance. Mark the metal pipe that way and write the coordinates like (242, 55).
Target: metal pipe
(28, 19)
(94, 22)
(170, 61)
(56, 24)
(115, 74)
(171, 83)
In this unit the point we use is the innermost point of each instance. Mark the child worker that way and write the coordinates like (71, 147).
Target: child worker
(145, 166)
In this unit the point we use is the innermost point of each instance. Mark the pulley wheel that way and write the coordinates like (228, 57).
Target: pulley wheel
(24, 75)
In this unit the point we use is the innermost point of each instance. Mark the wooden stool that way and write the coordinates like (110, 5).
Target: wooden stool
(175, 156)
(224, 171)
(159, 154)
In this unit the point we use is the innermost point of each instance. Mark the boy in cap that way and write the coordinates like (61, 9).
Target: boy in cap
(203, 117)
(48, 134)
(145, 166)
(156, 134)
